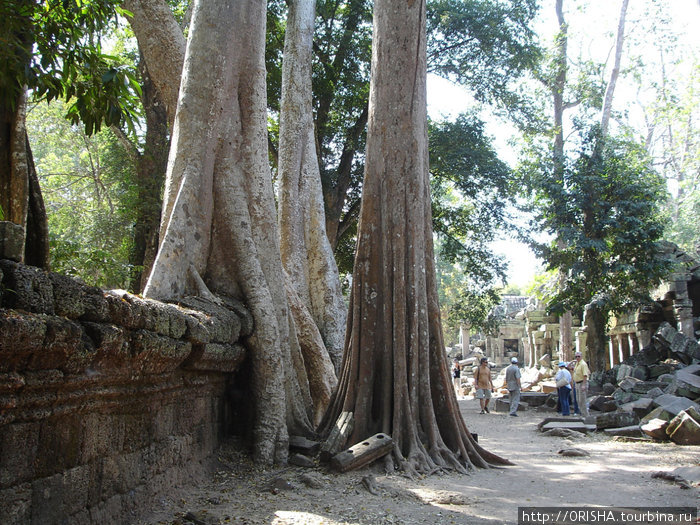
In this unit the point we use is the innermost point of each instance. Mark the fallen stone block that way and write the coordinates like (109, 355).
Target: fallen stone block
(646, 386)
(623, 397)
(573, 453)
(640, 407)
(684, 430)
(630, 431)
(640, 372)
(563, 432)
(656, 428)
(623, 371)
(578, 426)
(301, 460)
(534, 399)
(628, 383)
(654, 393)
(657, 413)
(362, 453)
(689, 377)
(603, 404)
(678, 345)
(659, 369)
(503, 405)
(674, 404)
(616, 420)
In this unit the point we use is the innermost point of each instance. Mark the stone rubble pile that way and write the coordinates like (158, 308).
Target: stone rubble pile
(652, 394)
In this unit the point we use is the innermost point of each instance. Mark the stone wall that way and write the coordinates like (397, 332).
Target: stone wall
(106, 399)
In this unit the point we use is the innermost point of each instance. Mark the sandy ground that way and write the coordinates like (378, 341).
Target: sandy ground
(615, 474)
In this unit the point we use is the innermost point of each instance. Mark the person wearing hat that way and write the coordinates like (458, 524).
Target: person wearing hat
(563, 379)
(483, 384)
(513, 385)
(581, 375)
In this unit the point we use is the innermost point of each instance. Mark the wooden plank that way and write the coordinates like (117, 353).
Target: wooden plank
(338, 436)
(362, 453)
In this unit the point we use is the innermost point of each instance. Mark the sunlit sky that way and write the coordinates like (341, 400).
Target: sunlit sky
(593, 27)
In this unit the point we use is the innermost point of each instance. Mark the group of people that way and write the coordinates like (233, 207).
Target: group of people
(572, 385)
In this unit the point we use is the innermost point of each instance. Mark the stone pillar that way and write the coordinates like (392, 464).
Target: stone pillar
(683, 309)
(633, 343)
(614, 352)
(624, 344)
(643, 338)
(464, 338)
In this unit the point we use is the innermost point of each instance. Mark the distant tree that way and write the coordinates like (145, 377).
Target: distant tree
(606, 209)
(89, 187)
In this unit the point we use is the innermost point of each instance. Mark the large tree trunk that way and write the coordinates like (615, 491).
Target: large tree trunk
(395, 376)
(220, 227)
(595, 320)
(306, 252)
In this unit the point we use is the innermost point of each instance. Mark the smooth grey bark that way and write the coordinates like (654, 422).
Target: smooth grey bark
(163, 44)
(610, 90)
(306, 252)
(220, 229)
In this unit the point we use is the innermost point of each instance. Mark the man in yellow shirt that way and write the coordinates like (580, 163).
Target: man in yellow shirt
(581, 375)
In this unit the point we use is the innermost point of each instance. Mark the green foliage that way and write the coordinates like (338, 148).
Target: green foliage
(54, 48)
(90, 197)
(605, 219)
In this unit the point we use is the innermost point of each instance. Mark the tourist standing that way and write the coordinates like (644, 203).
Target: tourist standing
(456, 376)
(513, 385)
(581, 375)
(563, 379)
(484, 385)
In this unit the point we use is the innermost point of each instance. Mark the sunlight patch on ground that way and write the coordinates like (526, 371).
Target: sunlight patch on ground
(292, 517)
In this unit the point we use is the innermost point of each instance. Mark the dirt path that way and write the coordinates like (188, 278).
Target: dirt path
(615, 474)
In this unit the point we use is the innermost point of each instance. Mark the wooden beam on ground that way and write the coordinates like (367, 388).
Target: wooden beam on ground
(363, 453)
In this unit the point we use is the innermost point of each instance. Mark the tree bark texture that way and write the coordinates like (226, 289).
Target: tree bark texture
(610, 90)
(20, 195)
(306, 252)
(395, 376)
(162, 42)
(596, 341)
(220, 226)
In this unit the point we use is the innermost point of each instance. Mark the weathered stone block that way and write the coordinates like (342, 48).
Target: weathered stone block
(26, 288)
(628, 383)
(656, 429)
(223, 324)
(215, 357)
(640, 372)
(640, 407)
(112, 348)
(646, 386)
(96, 306)
(68, 295)
(654, 393)
(616, 420)
(602, 403)
(684, 430)
(18, 445)
(689, 379)
(534, 399)
(11, 241)
(623, 371)
(657, 413)
(16, 504)
(58, 446)
(674, 404)
(156, 354)
(64, 347)
(21, 335)
(659, 369)
(679, 345)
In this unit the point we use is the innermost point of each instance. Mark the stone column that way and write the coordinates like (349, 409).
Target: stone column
(683, 309)
(464, 337)
(633, 343)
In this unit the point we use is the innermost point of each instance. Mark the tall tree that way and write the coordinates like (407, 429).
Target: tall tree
(220, 235)
(606, 210)
(306, 252)
(395, 377)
